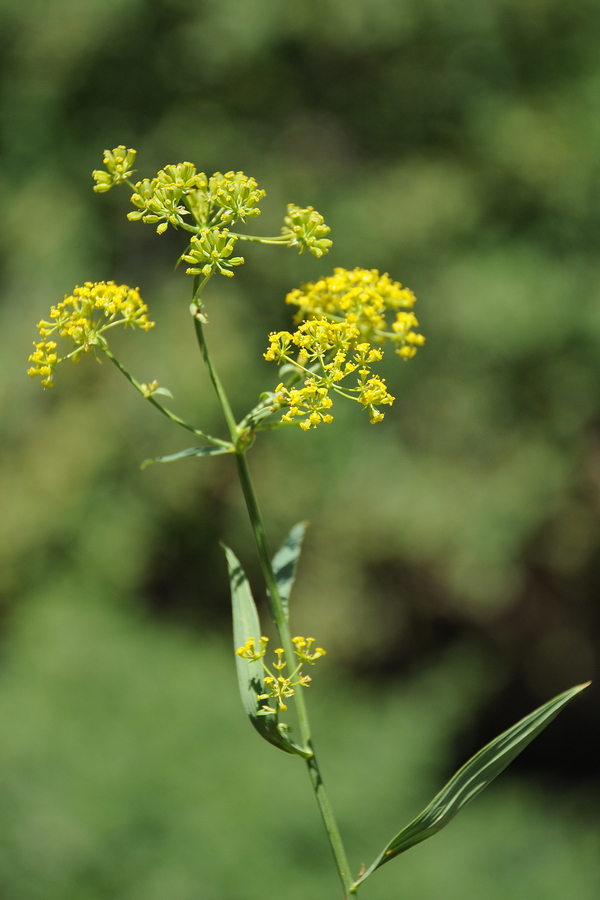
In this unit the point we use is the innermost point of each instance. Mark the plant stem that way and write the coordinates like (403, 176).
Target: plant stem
(327, 814)
(276, 608)
(279, 239)
(219, 389)
(159, 406)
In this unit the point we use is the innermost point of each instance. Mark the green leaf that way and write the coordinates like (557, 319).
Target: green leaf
(246, 625)
(193, 451)
(164, 391)
(472, 778)
(285, 563)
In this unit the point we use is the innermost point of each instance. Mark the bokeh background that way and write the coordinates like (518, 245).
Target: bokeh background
(452, 565)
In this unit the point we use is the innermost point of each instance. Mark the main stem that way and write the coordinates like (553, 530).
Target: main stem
(276, 608)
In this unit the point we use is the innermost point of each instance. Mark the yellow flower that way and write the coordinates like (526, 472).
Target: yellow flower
(338, 320)
(303, 650)
(234, 196)
(364, 298)
(328, 355)
(278, 687)
(249, 650)
(82, 318)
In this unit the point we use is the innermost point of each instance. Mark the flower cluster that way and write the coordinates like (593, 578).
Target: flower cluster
(280, 688)
(210, 251)
(233, 196)
(182, 197)
(328, 353)
(363, 298)
(159, 199)
(118, 164)
(82, 318)
(306, 229)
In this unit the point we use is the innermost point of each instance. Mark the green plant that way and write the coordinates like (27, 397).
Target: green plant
(342, 323)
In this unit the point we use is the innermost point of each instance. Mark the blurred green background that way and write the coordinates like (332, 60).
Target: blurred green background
(452, 566)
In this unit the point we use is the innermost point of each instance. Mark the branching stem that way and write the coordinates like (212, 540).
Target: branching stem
(163, 409)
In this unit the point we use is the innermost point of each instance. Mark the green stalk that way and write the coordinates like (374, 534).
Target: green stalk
(327, 814)
(219, 389)
(279, 239)
(159, 406)
(276, 607)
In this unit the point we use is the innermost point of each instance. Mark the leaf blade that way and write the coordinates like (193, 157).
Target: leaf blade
(184, 454)
(472, 778)
(246, 624)
(285, 563)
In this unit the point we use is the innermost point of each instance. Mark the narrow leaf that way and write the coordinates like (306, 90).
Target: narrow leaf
(262, 410)
(193, 451)
(246, 625)
(285, 563)
(473, 777)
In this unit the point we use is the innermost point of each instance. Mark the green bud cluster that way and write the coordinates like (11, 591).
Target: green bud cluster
(159, 199)
(306, 229)
(118, 164)
(180, 196)
(233, 196)
(210, 251)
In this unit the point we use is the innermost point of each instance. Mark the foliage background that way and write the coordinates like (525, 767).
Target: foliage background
(452, 566)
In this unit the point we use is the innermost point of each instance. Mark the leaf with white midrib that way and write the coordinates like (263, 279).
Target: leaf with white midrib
(285, 563)
(472, 778)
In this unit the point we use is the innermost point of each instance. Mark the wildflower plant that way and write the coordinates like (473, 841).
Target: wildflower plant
(342, 326)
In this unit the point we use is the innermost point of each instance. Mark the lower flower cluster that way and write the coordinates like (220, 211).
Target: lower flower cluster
(278, 687)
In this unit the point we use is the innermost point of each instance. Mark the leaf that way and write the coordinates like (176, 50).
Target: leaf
(472, 778)
(285, 563)
(193, 451)
(164, 391)
(262, 410)
(246, 625)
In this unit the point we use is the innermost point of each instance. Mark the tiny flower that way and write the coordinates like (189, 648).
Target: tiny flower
(339, 320)
(250, 652)
(364, 298)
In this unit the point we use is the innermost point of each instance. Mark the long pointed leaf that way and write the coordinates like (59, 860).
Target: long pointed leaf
(246, 625)
(472, 778)
(193, 451)
(285, 563)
